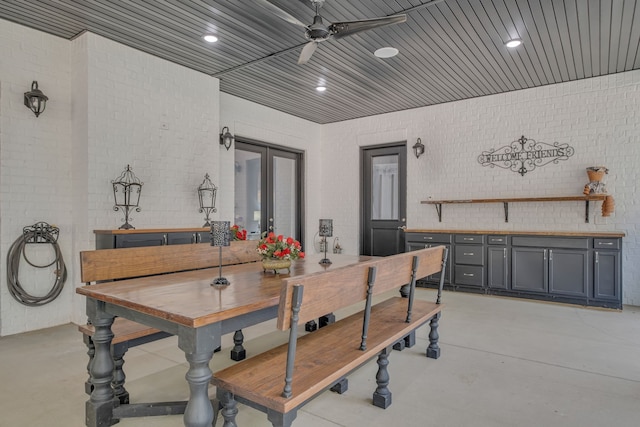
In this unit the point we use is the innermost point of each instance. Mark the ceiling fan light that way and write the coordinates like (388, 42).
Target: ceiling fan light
(210, 38)
(386, 52)
(513, 43)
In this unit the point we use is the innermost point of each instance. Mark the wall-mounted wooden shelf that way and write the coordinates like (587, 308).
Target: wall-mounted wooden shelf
(505, 201)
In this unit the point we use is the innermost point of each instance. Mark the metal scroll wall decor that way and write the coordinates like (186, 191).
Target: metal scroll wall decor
(524, 155)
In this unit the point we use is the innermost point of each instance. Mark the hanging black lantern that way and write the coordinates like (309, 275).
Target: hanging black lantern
(35, 100)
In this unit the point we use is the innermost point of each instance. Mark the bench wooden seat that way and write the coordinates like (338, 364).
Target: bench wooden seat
(281, 380)
(114, 264)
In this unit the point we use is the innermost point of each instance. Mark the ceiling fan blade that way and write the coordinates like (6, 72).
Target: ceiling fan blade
(306, 53)
(347, 28)
(280, 13)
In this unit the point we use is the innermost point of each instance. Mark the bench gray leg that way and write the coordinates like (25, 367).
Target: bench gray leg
(433, 351)
(327, 319)
(280, 420)
(229, 408)
(238, 352)
(382, 395)
(119, 377)
(341, 386)
(91, 351)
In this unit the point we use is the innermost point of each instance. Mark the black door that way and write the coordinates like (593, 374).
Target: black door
(268, 189)
(384, 187)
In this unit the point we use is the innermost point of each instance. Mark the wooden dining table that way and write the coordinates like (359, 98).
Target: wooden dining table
(186, 305)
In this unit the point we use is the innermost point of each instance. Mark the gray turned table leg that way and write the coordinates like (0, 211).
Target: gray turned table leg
(433, 351)
(99, 407)
(199, 411)
(198, 345)
(382, 395)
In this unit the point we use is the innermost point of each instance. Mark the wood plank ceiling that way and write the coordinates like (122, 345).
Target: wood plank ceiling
(449, 49)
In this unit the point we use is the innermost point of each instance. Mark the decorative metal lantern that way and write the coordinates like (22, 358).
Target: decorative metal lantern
(325, 230)
(35, 100)
(418, 148)
(226, 138)
(207, 198)
(126, 192)
(220, 236)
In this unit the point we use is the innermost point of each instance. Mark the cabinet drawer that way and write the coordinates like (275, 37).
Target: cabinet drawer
(469, 275)
(467, 254)
(551, 242)
(606, 243)
(428, 237)
(469, 239)
(497, 240)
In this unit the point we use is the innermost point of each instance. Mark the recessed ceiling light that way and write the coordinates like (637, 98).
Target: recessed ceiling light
(513, 43)
(386, 52)
(321, 88)
(210, 38)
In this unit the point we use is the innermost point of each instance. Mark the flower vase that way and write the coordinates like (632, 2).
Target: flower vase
(276, 264)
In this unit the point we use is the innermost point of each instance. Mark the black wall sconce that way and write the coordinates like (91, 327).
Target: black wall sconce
(35, 100)
(226, 138)
(126, 192)
(207, 198)
(418, 148)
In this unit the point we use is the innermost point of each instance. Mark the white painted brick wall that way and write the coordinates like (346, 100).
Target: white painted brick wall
(598, 117)
(35, 168)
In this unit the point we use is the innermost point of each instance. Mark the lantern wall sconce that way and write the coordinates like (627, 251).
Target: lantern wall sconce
(325, 230)
(418, 148)
(220, 236)
(207, 198)
(35, 100)
(226, 138)
(126, 192)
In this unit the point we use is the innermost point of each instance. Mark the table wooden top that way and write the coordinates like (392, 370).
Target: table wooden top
(188, 298)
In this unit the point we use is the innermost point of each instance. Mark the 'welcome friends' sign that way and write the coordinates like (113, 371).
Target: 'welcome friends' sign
(524, 155)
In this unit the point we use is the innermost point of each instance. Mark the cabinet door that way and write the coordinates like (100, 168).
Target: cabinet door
(606, 278)
(203, 237)
(497, 276)
(414, 246)
(568, 272)
(181, 238)
(138, 240)
(529, 269)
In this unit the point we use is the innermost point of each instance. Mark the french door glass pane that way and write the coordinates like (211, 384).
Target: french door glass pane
(248, 184)
(284, 196)
(384, 180)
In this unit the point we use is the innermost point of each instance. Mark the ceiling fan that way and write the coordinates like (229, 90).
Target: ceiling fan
(319, 31)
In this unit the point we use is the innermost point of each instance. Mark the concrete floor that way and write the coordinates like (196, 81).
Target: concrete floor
(505, 362)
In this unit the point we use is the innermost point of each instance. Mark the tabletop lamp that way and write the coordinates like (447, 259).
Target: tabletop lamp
(220, 236)
(325, 230)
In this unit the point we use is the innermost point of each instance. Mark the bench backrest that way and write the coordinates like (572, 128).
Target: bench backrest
(110, 264)
(331, 290)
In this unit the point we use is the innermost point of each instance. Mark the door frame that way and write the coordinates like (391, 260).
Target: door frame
(266, 149)
(402, 197)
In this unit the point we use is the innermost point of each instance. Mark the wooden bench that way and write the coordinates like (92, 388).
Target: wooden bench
(113, 264)
(281, 380)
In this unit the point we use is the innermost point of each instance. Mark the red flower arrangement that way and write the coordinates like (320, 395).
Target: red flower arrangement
(279, 247)
(238, 233)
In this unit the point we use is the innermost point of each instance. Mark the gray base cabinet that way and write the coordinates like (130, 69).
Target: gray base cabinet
(574, 269)
(117, 239)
